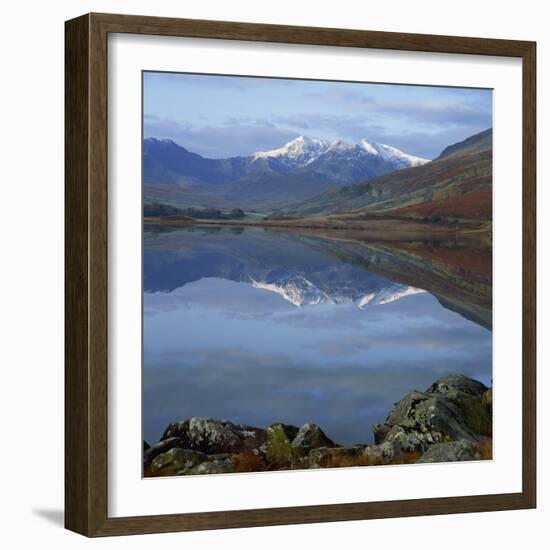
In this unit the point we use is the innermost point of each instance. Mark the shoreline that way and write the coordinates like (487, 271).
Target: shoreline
(449, 421)
(384, 229)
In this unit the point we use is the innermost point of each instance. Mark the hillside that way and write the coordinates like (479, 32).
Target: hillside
(266, 180)
(479, 142)
(458, 184)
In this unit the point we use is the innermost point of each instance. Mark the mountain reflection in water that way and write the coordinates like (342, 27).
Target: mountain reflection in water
(260, 326)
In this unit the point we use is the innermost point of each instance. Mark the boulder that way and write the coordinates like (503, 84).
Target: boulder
(309, 437)
(211, 467)
(212, 436)
(279, 439)
(420, 419)
(380, 432)
(451, 451)
(452, 384)
(161, 447)
(176, 461)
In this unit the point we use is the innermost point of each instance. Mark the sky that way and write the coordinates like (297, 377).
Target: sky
(223, 116)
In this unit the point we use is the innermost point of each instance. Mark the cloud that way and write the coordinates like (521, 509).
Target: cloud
(261, 389)
(432, 129)
(234, 139)
(239, 115)
(340, 367)
(457, 109)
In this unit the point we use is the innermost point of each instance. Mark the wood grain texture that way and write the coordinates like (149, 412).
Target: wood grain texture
(529, 274)
(77, 459)
(86, 257)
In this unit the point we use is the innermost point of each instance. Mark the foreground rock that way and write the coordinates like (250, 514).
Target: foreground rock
(452, 451)
(451, 409)
(161, 447)
(176, 461)
(288, 446)
(279, 444)
(216, 436)
(450, 421)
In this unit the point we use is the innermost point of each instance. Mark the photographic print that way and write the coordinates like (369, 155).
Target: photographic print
(317, 274)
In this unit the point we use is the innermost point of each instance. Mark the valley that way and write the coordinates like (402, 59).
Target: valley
(450, 195)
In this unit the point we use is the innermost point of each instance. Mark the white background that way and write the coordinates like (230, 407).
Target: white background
(129, 494)
(31, 397)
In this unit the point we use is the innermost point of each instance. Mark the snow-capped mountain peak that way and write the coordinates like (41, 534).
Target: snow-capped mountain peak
(295, 289)
(368, 147)
(300, 151)
(300, 291)
(387, 295)
(339, 145)
(304, 150)
(391, 154)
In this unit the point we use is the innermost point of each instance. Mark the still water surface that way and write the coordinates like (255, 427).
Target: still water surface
(257, 327)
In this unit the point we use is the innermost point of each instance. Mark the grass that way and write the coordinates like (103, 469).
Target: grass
(346, 461)
(485, 448)
(248, 461)
(340, 460)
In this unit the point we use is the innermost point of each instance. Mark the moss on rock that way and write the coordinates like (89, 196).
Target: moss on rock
(279, 444)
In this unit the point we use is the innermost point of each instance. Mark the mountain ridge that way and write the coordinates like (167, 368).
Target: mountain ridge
(457, 185)
(167, 162)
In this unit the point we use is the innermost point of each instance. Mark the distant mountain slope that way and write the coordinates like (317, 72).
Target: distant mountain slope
(474, 144)
(164, 161)
(337, 162)
(456, 184)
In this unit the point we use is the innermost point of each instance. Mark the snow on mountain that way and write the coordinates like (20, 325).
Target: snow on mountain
(340, 146)
(336, 163)
(391, 154)
(295, 289)
(299, 291)
(367, 147)
(387, 295)
(298, 152)
(304, 150)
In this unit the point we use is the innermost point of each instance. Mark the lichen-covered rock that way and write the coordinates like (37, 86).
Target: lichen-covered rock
(161, 447)
(177, 460)
(380, 432)
(216, 436)
(211, 467)
(451, 451)
(422, 419)
(450, 421)
(279, 444)
(406, 440)
(452, 384)
(330, 457)
(309, 437)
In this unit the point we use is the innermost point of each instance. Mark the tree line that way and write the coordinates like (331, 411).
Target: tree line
(160, 210)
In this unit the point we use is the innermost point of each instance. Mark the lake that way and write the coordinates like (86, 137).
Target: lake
(259, 326)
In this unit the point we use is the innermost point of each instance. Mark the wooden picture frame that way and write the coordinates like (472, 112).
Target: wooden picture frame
(86, 282)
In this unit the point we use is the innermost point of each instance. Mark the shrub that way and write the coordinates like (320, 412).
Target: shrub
(486, 449)
(248, 461)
